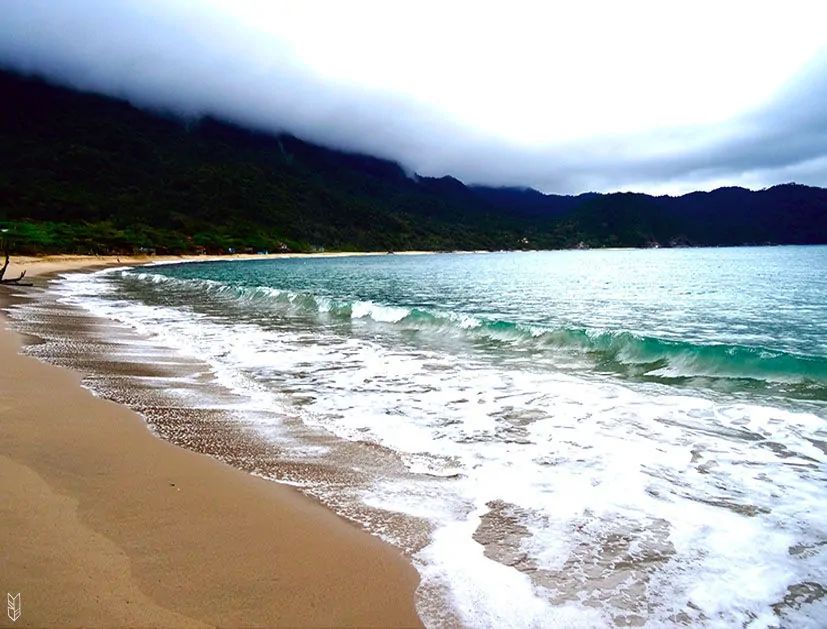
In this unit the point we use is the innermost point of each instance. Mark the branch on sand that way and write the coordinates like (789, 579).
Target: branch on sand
(16, 280)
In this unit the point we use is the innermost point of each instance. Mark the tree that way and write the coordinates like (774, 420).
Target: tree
(16, 280)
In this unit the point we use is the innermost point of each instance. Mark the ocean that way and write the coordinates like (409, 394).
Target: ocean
(556, 439)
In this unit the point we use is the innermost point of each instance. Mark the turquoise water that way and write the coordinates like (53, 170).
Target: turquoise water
(594, 438)
(743, 318)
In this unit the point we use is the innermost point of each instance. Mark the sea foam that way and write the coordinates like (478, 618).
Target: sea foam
(563, 497)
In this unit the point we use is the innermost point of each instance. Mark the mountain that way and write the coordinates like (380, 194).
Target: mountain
(785, 214)
(84, 172)
(530, 203)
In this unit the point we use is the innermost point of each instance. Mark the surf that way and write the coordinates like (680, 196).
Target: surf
(619, 352)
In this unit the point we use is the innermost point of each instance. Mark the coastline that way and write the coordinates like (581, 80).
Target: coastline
(43, 265)
(104, 524)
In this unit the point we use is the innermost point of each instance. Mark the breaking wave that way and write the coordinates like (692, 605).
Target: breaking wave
(612, 351)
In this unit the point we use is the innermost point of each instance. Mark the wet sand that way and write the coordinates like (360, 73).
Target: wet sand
(104, 524)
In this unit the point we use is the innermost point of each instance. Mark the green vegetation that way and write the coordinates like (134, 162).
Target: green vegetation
(84, 173)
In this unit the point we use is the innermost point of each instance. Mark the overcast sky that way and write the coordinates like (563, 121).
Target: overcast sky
(661, 97)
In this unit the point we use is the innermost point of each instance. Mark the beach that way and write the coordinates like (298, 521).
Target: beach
(563, 438)
(104, 524)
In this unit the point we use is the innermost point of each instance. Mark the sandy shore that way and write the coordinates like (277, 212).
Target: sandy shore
(42, 265)
(103, 524)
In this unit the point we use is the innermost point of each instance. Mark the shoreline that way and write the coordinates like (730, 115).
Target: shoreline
(102, 523)
(47, 264)
(66, 263)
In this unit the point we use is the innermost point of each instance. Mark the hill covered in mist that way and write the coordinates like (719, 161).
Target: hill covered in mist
(87, 173)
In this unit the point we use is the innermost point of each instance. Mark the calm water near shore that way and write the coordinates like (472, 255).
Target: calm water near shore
(578, 438)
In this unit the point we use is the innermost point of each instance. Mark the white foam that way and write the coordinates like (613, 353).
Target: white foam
(719, 494)
(387, 314)
(488, 594)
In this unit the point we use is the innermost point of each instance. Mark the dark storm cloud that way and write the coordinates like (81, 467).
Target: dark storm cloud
(182, 57)
(188, 60)
(783, 140)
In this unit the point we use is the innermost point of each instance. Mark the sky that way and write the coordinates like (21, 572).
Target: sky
(564, 97)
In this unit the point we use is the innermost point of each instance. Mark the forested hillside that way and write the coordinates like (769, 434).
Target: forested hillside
(87, 173)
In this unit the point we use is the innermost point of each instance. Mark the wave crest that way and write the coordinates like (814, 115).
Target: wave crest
(615, 351)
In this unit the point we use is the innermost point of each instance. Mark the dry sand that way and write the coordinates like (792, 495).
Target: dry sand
(103, 524)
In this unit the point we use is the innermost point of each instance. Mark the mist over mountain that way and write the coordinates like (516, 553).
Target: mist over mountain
(84, 172)
(487, 94)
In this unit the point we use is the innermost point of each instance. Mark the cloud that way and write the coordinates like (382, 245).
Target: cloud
(194, 59)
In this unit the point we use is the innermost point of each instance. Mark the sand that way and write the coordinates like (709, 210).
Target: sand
(103, 524)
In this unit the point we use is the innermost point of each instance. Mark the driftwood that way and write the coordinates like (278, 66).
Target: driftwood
(16, 280)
